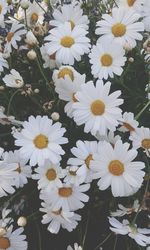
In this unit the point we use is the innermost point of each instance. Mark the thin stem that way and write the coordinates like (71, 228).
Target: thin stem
(143, 109)
(101, 243)
(86, 229)
(115, 244)
(39, 236)
(10, 101)
(29, 217)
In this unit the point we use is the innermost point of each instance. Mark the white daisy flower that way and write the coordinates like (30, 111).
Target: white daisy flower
(63, 72)
(131, 4)
(24, 170)
(146, 16)
(48, 175)
(116, 168)
(121, 26)
(49, 60)
(138, 234)
(107, 59)
(14, 36)
(58, 219)
(66, 88)
(3, 63)
(84, 152)
(67, 197)
(7, 178)
(128, 123)
(95, 108)
(14, 79)
(109, 137)
(69, 45)
(141, 139)
(126, 210)
(13, 240)
(40, 140)
(76, 247)
(73, 176)
(35, 14)
(3, 11)
(70, 13)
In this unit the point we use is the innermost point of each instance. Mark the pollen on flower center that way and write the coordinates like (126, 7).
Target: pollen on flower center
(116, 168)
(67, 41)
(131, 2)
(106, 60)
(4, 243)
(88, 160)
(34, 17)
(72, 24)
(98, 107)
(118, 29)
(18, 169)
(74, 173)
(66, 71)
(146, 143)
(9, 36)
(74, 98)
(41, 141)
(51, 174)
(128, 126)
(65, 191)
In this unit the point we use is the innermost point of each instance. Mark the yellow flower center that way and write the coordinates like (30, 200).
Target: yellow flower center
(106, 60)
(1, 9)
(118, 29)
(65, 191)
(41, 141)
(51, 174)
(72, 24)
(98, 107)
(146, 143)
(131, 2)
(58, 212)
(74, 98)
(88, 160)
(34, 17)
(66, 71)
(67, 41)
(4, 243)
(9, 36)
(18, 169)
(128, 126)
(116, 168)
(72, 173)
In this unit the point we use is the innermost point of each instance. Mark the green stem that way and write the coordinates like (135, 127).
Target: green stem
(101, 243)
(10, 101)
(33, 215)
(86, 229)
(143, 109)
(115, 244)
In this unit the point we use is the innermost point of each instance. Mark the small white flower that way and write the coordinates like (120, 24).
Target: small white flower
(128, 123)
(3, 11)
(35, 13)
(22, 221)
(63, 72)
(146, 16)
(73, 176)
(31, 39)
(25, 4)
(3, 63)
(14, 79)
(136, 5)
(49, 60)
(126, 210)
(76, 247)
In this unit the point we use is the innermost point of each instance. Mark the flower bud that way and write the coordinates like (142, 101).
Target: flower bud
(55, 116)
(2, 231)
(22, 221)
(32, 55)
(24, 4)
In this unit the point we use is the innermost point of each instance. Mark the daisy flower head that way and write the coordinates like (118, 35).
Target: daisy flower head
(23, 170)
(40, 140)
(136, 5)
(3, 11)
(83, 153)
(128, 123)
(69, 45)
(96, 108)
(75, 247)
(48, 175)
(67, 197)
(116, 168)
(35, 14)
(73, 176)
(141, 139)
(59, 218)
(13, 240)
(126, 210)
(3, 63)
(121, 26)
(63, 72)
(14, 36)
(49, 60)
(14, 79)
(145, 15)
(70, 13)
(107, 59)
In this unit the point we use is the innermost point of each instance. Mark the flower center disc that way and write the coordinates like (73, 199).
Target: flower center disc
(72, 24)
(65, 191)
(9, 36)
(131, 2)
(146, 143)
(74, 98)
(88, 160)
(116, 168)
(67, 41)
(34, 17)
(98, 107)
(64, 72)
(106, 60)
(128, 126)
(18, 169)
(41, 141)
(4, 243)
(118, 29)
(51, 174)
(73, 173)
